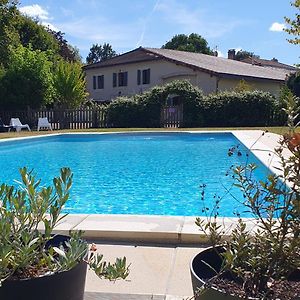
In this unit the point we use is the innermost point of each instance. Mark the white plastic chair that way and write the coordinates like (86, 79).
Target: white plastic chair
(16, 124)
(43, 123)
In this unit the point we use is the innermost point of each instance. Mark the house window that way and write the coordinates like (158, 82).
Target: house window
(146, 76)
(143, 77)
(100, 80)
(114, 79)
(94, 82)
(138, 77)
(123, 78)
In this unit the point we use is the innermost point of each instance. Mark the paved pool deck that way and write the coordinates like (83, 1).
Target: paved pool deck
(156, 272)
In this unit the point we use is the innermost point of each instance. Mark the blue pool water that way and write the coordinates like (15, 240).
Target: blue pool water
(141, 173)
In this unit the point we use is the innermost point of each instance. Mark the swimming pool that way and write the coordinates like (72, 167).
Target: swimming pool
(134, 173)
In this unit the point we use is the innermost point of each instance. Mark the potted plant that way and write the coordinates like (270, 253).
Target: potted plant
(261, 262)
(36, 264)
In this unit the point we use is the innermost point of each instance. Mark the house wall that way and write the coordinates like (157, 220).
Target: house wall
(267, 86)
(161, 72)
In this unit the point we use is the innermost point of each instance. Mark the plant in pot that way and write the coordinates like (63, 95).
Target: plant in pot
(261, 261)
(34, 263)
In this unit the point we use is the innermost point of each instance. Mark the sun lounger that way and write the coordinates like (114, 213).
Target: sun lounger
(17, 125)
(43, 123)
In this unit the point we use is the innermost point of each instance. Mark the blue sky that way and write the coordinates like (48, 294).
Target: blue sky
(254, 25)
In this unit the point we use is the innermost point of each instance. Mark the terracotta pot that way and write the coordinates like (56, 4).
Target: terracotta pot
(67, 285)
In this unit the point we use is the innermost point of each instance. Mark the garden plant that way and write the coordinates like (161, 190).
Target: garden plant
(28, 215)
(262, 261)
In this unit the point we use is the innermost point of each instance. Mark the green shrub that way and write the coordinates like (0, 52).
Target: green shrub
(226, 109)
(144, 110)
(69, 84)
(249, 108)
(28, 80)
(123, 112)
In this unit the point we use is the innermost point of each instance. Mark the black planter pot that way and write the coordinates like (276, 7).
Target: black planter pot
(201, 273)
(67, 285)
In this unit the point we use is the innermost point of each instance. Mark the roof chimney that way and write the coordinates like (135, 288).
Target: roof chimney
(231, 54)
(274, 59)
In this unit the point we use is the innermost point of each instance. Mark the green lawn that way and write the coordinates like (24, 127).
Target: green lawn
(278, 130)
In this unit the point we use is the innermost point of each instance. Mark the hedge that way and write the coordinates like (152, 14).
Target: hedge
(144, 110)
(226, 109)
(231, 109)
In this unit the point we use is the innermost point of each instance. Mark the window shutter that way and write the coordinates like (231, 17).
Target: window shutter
(94, 82)
(125, 78)
(101, 82)
(114, 79)
(146, 76)
(138, 77)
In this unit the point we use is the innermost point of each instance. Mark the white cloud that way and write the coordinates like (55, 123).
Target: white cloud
(51, 26)
(277, 27)
(220, 53)
(35, 11)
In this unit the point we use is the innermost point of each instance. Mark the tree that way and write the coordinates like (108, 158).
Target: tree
(242, 54)
(100, 53)
(293, 83)
(69, 85)
(8, 34)
(66, 51)
(192, 43)
(294, 24)
(34, 34)
(27, 82)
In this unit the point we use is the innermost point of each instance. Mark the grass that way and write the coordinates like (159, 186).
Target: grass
(3, 135)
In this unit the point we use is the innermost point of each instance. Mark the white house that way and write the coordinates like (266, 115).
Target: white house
(140, 69)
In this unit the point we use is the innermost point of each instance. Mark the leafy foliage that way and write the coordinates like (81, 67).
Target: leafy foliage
(28, 54)
(124, 112)
(293, 83)
(242, 54)
(191, 43)
(8, 36)
(65, 50)
(25, 251)
(269, 252)
(33, 35)
(294, 24)
(144, 110)
(243, 86)
(100, 53)
(69, 85)
(226, 109)
(229, 109)
(27, 82)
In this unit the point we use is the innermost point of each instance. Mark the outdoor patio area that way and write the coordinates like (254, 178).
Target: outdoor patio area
(156, 272)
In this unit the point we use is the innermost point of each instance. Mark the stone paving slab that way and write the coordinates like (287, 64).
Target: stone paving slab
(180, 284)
(149, 270)
(156, 272)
